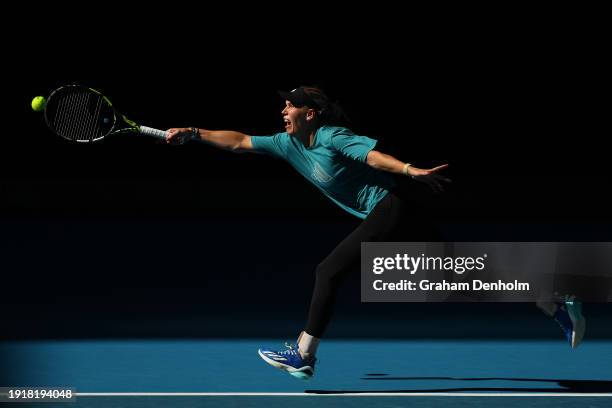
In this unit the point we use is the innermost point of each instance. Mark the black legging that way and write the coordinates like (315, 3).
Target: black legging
(393, 219)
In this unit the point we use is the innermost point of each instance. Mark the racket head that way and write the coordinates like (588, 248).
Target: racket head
(80, 114)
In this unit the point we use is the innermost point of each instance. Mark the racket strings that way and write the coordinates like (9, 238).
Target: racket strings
(63, 106)
(87, 124)
(73, 117)
(79, 115)
(81, 118)
(96, 123)
(82, 113)
(90, 127)
(65, 117)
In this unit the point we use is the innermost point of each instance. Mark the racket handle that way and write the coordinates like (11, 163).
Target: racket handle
(160, 134)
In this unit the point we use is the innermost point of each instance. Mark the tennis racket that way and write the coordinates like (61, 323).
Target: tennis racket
(82, 114)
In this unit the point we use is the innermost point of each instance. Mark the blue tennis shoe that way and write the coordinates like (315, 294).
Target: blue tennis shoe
(289, 361)
(569, 317)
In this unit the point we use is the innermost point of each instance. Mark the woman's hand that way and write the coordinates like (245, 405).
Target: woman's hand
(179, 136)
(429, 177)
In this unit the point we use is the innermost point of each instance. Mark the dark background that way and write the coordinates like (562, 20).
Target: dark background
(130, 237)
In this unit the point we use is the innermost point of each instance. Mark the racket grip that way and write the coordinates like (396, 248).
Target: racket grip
(160, 134)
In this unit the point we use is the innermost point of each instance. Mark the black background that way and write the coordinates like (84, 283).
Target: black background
(130, 237)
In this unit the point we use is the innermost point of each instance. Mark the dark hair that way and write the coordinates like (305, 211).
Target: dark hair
(331, 113)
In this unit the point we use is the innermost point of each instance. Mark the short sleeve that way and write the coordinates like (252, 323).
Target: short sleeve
(353, 146)
(275, 145)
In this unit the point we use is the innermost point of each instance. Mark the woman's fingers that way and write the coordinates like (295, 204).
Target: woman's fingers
(438, 168)
(174, 136)
(171, 134)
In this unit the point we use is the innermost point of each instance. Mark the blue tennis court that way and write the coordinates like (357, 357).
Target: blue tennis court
(401, 373)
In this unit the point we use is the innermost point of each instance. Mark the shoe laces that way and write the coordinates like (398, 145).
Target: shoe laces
(571, 300)
(292, 350)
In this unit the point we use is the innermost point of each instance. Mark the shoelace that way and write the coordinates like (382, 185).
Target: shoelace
(292, 351)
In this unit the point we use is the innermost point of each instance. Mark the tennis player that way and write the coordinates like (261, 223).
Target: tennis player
(349, 170)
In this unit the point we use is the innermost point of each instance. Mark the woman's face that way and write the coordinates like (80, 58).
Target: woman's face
(295, 118)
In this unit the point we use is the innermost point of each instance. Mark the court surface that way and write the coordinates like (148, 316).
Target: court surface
(350, 373)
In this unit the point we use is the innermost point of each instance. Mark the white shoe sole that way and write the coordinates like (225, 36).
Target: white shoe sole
(578, 321)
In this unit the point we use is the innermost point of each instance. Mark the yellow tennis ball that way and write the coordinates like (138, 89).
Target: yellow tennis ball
(38, 103)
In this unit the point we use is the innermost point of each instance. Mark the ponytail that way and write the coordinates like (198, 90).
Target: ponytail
(334, 114)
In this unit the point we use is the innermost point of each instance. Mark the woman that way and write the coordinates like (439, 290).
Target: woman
(348, 170)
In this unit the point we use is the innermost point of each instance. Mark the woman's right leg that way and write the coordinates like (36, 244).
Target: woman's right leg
(344, 259)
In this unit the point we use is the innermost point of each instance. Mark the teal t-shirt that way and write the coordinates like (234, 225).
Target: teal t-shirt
(335, 164)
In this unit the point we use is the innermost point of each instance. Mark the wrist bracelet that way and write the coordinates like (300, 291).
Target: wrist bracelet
(405, 169)
(195, 133)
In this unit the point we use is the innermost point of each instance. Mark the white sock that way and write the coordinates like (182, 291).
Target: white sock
(308, 344)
